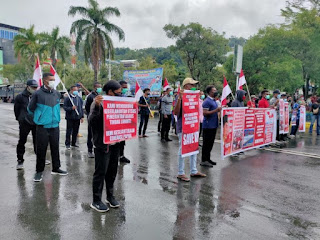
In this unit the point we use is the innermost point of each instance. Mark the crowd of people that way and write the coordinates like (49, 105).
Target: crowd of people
(38, 111)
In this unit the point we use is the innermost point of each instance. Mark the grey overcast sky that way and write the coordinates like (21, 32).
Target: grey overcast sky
(143, 20)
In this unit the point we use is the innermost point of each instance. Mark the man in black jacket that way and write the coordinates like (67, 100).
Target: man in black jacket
(74, 115)
(96, 91)
(26, 123)
(106, 156)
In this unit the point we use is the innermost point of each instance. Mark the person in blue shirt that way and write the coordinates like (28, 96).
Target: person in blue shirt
(209, 126)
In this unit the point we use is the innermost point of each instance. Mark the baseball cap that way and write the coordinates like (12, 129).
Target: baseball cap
(277, 91)
(189, 81)
(32, 83)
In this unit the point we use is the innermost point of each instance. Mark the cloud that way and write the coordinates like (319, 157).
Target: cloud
(143, 20)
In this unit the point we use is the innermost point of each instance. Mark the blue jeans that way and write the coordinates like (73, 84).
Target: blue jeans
(193, 160)
(313, 119)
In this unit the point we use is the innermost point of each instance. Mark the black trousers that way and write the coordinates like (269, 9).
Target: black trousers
(89, 139)
(166, 122)
(144, 119)
(24, 130)
(45, 136)
(106, 168)
(200, 131)
(209, 135)
(72, 128)
(121, 147)
(160, 121)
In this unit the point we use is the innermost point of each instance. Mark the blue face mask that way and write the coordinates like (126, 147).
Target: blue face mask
(99, 90)
(75, 93)
(171, 93)
(202, 97)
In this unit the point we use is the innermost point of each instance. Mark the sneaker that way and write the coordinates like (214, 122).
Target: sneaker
(145, 136)
(59, 172)
(90, 155)
(75, 146)
(20, 165)
(99, 207)
(113, 202)
(48, 162)
(206, 164)
(168, 140)
(37, 177)
(212, 162)
(68, 147)
(124, 159)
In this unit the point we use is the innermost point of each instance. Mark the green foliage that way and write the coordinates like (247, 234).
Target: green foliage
(95, 29)
(21, 71)
(202, 50)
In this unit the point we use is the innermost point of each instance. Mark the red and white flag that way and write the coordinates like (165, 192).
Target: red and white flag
(56, 77)
(242, 81)
(165, 84)
(138, 93)
(225, 92)
(37, 74)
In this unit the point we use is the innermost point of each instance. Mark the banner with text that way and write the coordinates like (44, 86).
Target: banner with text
(190, 123)
(302, 123)
(283, 117)
(243, 129)
(120, 115)
(151, 79)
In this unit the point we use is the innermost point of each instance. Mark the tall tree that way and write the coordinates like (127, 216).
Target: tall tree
(201, 48)
(27, 44)
(95, 28)
(55, 44)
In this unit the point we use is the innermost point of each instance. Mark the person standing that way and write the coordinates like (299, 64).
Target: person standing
(124, 91)
(74, 115)
(166, 110)
(45, 107)
(202, 97)
(144, 104)
(26, 123)
(160, 113)
(274, 103)
(188, 84)
(315, 116)
(106, 156)
(210, 125)
(252, 103)
(95, 92)
(264, 101)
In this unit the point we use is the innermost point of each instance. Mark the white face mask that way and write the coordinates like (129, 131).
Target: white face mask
(31, 90)
(51, 84)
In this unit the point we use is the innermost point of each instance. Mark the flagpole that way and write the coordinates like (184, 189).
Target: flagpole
(248, 92)
(64, 88)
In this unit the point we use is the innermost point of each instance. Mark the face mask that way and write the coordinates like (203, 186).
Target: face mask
(99, 90)
(124, 91)
(193, 89)
(202, 96)
(51, 84)
(117, 94)
(75, 93)
(278, 96)
(300, 102)
(285, 100)
(268, 97)
(31, 90)
(171, 93)
(148, 94)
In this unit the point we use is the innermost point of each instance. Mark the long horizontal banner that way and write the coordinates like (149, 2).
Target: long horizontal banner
(243, 129)
(120, 116)
(151, 79)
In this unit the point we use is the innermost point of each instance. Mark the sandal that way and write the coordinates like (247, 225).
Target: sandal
(198, 174)
(183, 178)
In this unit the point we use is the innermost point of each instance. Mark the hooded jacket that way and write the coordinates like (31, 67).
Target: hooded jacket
(238, 102)
(20, 108)
(45, 107)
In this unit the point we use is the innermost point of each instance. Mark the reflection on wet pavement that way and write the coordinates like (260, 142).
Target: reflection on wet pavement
(261, 195)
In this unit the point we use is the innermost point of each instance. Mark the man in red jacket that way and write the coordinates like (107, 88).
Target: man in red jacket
(264, 103)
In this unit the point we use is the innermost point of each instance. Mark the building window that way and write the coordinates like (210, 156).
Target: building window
(1, 34)
(6, 34)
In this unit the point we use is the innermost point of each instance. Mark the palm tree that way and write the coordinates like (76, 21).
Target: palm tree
(55, 44)
(27, 44)
(95, 28)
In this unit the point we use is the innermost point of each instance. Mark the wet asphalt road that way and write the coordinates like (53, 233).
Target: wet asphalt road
(262, 195)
